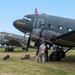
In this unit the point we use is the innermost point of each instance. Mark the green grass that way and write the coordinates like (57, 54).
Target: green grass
(15, 66)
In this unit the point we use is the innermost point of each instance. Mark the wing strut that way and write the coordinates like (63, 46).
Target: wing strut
(68, 49)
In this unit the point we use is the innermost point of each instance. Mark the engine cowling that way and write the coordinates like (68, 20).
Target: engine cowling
(47, 34)
(35, 33)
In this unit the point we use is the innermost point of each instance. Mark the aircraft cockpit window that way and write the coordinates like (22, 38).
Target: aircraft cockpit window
(69, 29)
(27, 18)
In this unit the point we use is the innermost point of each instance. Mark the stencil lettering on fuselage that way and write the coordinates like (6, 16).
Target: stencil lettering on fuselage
(38, 23)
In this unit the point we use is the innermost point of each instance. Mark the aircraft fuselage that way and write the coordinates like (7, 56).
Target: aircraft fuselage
(52, 25)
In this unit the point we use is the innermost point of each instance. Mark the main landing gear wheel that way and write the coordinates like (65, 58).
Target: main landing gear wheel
(54, 56)
(9, 49)
(63, 54)
(58, 54)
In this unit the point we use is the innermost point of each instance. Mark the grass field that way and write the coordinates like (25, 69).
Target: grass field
(15, 66)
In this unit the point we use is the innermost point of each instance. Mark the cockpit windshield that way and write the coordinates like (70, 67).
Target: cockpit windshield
(27, 18)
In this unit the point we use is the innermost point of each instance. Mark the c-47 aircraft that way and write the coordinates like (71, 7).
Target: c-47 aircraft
(56, 30)
(11, 40)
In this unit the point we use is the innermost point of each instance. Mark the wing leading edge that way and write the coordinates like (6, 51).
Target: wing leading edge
(14, 43)
(66, 40)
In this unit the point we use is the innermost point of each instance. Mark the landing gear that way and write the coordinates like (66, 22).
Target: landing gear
(9, 49)
(58, 54)
(23, 48)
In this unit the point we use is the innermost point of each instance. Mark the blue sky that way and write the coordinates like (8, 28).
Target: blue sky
(11, 10)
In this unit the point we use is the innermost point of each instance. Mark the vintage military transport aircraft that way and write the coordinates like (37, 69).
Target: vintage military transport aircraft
(56, 30)
(11, 40)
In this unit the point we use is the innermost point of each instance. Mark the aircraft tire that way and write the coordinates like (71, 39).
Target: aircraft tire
(11, 49)
(63, 54)
(23, 48)
(6, 49)
(54, 57)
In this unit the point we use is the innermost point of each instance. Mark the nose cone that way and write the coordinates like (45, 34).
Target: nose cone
(21, 25)
(18, 23)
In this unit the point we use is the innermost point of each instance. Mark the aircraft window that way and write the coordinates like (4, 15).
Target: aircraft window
(50, 25)
(60, 27)
(27, 18)
(69, 29)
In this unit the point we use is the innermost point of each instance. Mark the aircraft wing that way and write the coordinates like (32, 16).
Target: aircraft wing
(66, 40)
(14, 43)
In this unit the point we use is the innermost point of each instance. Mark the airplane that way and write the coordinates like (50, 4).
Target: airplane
(12, 40)
(58, 31)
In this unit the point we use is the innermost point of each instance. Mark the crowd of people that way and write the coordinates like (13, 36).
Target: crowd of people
(42, 51)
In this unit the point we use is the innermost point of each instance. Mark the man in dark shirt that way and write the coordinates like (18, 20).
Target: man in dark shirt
(37, 44)
(46, 53)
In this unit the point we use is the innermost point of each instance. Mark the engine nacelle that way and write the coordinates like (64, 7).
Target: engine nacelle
(35, 33)
(47, 34)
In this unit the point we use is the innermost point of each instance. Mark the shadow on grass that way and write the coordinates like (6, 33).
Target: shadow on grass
(69, 58)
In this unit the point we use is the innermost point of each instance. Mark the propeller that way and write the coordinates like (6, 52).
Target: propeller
(28, 44)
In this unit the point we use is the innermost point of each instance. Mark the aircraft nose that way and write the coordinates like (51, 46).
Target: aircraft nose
(18, 22)
(20, 25)
(14, 23)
